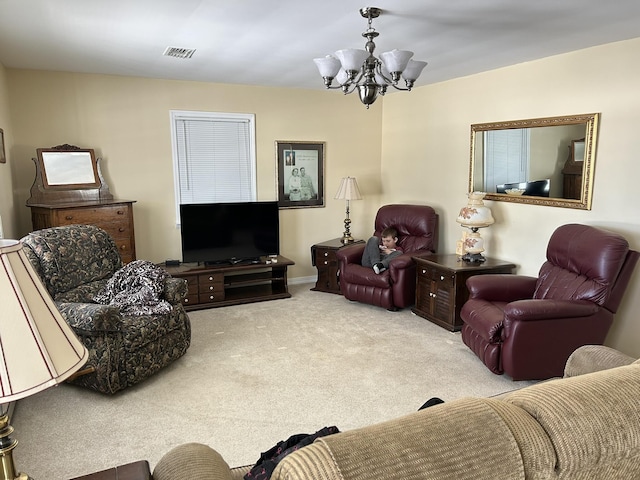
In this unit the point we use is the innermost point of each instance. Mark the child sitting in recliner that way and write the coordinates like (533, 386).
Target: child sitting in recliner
(378, 256)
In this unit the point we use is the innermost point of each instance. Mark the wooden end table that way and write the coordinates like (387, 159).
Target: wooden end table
(441, 286)
(131, 471)
(323, 257)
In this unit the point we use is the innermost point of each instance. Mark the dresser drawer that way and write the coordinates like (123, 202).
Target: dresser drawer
(111, 216)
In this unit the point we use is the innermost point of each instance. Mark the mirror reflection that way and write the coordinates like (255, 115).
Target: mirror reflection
(68, 168)
(545, 161)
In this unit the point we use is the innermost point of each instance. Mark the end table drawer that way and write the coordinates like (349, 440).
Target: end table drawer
(326, 257)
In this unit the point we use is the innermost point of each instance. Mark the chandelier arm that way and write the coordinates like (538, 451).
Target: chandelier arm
(404, 89)
(379, 72)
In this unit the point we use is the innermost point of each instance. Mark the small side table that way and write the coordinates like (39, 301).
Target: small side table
(131, 471)
(441, 286)
(323, 257)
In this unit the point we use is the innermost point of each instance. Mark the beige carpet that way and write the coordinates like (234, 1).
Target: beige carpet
(256, 374)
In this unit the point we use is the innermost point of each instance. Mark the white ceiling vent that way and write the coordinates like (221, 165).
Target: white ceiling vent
(179, 52)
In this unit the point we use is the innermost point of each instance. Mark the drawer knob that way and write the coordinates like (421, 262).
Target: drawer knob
(424, 271)
(210, 279)
(211, 288)
(120, 212)
(326, 254)
(441, 277)
(211, 297)
(121, 229)
(123, 247)
(326, 263)
(68, 217)
(186, 300)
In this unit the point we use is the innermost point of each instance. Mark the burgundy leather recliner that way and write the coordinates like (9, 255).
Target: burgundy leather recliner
(394, 288)
(527, 327)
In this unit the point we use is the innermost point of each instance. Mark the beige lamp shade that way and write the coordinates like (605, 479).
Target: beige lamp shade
(38, 349)
(348, 190)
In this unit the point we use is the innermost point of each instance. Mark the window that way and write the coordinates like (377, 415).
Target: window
(214, 157)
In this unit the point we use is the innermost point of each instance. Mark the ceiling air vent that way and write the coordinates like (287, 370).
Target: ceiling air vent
(179, 52)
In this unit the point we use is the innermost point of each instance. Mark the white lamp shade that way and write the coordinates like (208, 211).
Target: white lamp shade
(348, 190)
(327, 66)
(352, 59)
(413, 70)
(396, 60)
(38, 349)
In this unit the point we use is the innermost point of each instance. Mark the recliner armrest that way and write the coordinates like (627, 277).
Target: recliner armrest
(501, 287)
(175, 289)
(544, 309)
(89, 318)
(351, 254)
(401, 262)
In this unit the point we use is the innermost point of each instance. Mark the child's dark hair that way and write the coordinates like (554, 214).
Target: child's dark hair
(389, 232)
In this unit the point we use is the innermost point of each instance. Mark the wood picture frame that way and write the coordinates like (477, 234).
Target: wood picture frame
(3, 153)
(300, 174)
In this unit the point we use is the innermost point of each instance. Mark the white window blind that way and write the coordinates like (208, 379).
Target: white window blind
(214, 157)
(509, 151)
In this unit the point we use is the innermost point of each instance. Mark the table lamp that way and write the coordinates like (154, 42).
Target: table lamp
(348, 191)
(38, 349)
(474, 215)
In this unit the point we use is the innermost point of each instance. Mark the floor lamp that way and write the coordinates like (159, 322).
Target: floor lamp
(38, 349)
(348, 191)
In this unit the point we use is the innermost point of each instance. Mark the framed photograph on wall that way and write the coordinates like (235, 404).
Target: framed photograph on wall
(3, 154)
(300, 174)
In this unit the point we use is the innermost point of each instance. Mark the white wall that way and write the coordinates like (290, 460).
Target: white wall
(425, 153)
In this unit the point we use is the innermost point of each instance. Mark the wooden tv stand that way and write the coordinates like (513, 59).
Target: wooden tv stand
(222, 285)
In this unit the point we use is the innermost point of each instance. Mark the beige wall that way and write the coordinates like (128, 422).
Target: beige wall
(126, 120)
(410, 148)
(425, 154)
(7, 211)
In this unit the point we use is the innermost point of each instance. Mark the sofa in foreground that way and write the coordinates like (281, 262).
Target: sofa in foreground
(584, 426)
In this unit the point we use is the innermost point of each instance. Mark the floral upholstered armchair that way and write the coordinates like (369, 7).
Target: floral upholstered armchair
(76, 262)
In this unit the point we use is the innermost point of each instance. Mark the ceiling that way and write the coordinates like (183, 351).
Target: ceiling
(272, 43)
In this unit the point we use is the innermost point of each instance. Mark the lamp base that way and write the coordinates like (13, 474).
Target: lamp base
(7, 444)
(347, 239)
(473, 257)
(346, 235)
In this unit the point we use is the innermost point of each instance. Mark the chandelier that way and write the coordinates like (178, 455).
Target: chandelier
(360, 70)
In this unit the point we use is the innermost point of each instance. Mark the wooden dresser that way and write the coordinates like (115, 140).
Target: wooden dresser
(113, 216)
(69, 189)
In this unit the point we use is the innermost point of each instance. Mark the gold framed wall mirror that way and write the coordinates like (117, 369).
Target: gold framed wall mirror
(541, 161)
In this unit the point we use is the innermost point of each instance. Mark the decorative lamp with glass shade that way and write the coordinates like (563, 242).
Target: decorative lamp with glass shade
(38, 349)
(474, 215)
(348, 191)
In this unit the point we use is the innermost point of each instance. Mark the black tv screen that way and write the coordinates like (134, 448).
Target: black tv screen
(229, 232)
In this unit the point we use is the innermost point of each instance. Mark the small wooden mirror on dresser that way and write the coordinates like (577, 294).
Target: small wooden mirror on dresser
(69, 189)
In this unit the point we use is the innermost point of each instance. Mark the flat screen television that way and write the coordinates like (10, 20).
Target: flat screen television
(215, 233)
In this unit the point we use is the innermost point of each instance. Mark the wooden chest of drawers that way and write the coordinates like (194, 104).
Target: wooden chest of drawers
(113, 216)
